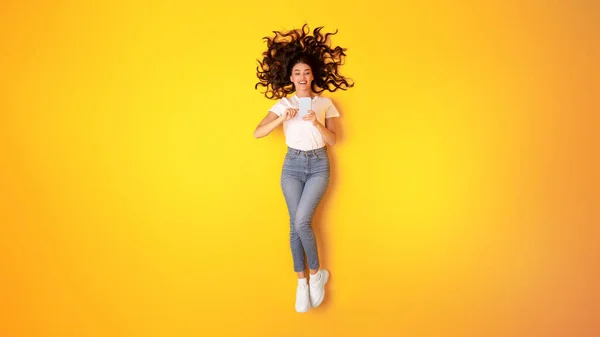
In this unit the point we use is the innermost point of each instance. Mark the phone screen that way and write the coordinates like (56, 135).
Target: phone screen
(304, 106)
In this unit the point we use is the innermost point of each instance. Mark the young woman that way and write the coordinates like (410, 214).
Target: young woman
(303, 65)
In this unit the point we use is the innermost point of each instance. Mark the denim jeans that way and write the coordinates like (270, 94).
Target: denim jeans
(304, 180)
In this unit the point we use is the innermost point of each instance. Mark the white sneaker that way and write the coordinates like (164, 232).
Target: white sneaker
(317, 289)
(302, 301)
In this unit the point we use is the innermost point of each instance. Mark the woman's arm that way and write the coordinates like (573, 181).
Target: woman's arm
(271, 121)
(327, 131)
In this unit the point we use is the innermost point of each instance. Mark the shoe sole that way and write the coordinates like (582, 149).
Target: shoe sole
(302, 311)
(325, 275)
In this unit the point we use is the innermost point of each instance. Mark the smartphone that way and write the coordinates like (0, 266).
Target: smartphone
(304, 106)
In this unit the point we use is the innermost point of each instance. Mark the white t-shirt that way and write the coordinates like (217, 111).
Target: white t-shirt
(301, 134)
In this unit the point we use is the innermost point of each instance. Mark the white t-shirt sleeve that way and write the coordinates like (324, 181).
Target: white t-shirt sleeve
(331, 111)
(278, 108)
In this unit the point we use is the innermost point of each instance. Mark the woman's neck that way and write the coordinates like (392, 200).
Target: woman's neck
(306, 93)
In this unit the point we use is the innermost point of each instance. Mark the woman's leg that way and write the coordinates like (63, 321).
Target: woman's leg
(292, 188)
(314, 189)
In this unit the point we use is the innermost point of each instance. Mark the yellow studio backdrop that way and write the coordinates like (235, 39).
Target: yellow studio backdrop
(136, 202)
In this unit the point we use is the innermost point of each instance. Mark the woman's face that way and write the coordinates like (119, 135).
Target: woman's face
(302, 76)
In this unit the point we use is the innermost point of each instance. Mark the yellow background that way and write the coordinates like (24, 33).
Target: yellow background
(135, 201)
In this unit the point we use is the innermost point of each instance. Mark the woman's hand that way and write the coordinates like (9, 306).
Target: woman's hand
(288, 114)
(311, 116)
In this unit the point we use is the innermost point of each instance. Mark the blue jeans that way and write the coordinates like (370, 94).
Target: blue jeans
(304, 179)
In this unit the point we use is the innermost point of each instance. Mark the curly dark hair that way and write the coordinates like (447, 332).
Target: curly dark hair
(287, 49)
